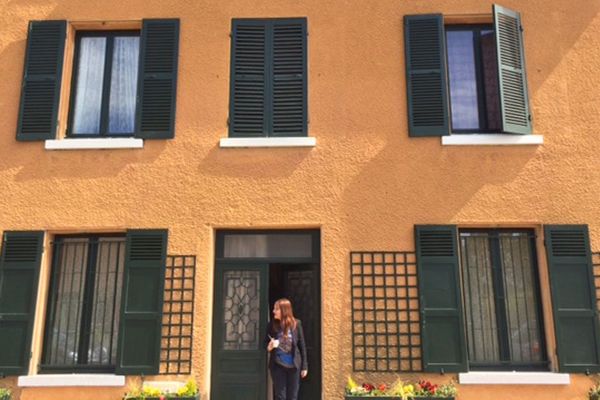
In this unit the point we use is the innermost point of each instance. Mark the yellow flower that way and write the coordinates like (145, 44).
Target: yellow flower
(351, 384)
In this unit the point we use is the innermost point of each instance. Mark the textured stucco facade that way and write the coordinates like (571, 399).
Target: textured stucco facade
(365, 184)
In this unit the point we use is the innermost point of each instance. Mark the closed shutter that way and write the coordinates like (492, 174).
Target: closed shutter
(442, 327)
(141, 308)
(158, 79)
(268, 94)
(289, 78)
(42, 75)
(426, 82)
(514, 102)
(19, 272)
(573, 297)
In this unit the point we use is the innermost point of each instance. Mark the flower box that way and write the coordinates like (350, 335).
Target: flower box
(196, 397)
(395, 398)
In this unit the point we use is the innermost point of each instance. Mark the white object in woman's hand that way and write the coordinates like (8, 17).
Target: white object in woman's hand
(275, 343)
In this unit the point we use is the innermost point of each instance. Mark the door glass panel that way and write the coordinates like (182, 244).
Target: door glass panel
(241, 306)
(267, 245)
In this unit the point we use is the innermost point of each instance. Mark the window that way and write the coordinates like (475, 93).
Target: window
(124, 81)
(268, 94)
(84, 303)
(501, 300)
(473, 79)
(466, 78)
(104, 89)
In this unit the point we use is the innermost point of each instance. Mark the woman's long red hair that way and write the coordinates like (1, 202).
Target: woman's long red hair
(287, 320)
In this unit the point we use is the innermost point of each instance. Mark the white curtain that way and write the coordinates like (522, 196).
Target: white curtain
(90, 75)
(123, 85)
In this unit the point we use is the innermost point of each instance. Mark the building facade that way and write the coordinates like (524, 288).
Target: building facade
(420, 178)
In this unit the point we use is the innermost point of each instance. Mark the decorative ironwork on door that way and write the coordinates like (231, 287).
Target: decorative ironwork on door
(241, 306)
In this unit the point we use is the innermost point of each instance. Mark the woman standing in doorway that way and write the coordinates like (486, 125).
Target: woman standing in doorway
(285, 342)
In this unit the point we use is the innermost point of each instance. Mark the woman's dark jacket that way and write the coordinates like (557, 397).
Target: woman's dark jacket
(298, 345)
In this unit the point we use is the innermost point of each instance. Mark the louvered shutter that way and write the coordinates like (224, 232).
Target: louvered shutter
(157, 85)
(442, 326)
(514, 102)
(289, 78)
(248, 92)
(426, 82)
(19, 272)
(573, 297)
(141, 307)
(42, 76)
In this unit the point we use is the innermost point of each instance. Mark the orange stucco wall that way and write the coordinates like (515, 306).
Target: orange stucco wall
(365, 184)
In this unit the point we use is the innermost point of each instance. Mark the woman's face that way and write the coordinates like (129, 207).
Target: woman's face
(276, 312)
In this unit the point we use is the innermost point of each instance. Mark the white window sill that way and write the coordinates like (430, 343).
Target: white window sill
(491, 140)
(94, 143)
(64, 380)
(513, 378)
(268, 142)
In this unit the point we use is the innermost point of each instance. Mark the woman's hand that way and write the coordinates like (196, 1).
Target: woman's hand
(273, 343)
(304, 373)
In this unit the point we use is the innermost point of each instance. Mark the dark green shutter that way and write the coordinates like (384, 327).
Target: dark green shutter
(141, 306)
(514, 102)
(289, 78)
(442, 327)
(426, 82)
(573, 297)
(19, 272)
(248, 92)
(158, 79)
(268, 93)
(40, 91)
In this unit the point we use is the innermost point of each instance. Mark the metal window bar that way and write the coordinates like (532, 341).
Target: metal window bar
(385, 312)
(84, 299)
(178, 315)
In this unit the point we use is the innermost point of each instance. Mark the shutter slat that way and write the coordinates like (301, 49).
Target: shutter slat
(158, 79)
(141, 308)
(425, 53)
(442, 326)
(514, 103)
(19, 271)
(41, 80)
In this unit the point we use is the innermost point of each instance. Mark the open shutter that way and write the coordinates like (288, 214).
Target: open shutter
(289, 78)
(514, 103)
(248, 92)
(42, 76)
(19, 272)
(442, 327)
(141, 307)
(157, 85)
(573, 297)
(426, 81)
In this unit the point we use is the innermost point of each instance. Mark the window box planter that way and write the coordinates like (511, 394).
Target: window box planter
(396, 398)
(196, 397)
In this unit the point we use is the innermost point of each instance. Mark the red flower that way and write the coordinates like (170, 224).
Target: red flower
(368, 387)
(382, 387)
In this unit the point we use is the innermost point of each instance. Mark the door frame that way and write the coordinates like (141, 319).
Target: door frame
(221, 260)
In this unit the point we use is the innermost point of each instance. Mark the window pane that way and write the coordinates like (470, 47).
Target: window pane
(268, 245)
(68, 285)
(90, 78)
(521, 299)
(123, 85)
(463, 80)
(480, 304)
(241, 305)
(490, 80)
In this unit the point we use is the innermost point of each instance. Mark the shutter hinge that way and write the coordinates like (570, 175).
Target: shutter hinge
(230, 34)
(521, 28)
(529, 117)
(227, 121)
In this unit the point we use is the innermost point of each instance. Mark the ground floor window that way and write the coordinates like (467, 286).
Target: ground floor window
(84, 303)
(501, 297)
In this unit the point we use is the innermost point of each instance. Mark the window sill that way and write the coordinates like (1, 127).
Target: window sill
(513, 378)
(269, 142)
(491, 140)
(94, 144)
(64, 380)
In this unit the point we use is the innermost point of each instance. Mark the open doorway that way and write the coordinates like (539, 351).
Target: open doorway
(252, 270)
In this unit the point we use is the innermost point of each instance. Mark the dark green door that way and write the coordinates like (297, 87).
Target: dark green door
(240, 316)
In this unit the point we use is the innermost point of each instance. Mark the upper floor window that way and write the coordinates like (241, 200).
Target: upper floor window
(124, 81)
(104, 90)
(268, 95)
(476, 71)
(473, 79)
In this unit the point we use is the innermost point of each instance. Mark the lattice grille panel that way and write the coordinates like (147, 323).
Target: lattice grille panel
(385, 312)
(178, 316)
